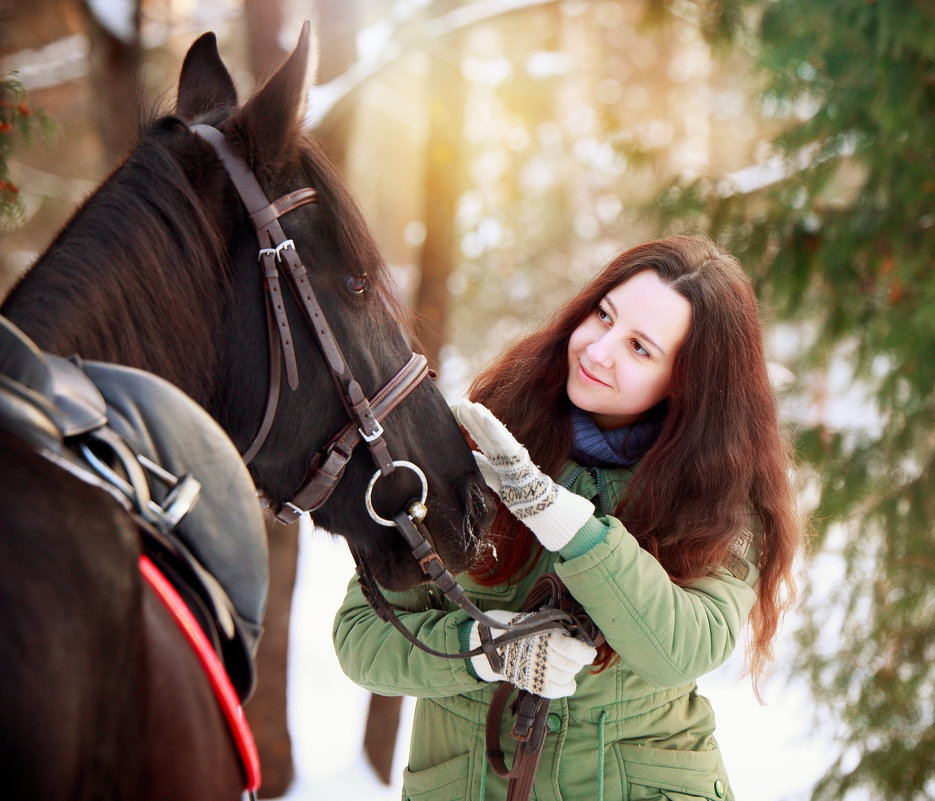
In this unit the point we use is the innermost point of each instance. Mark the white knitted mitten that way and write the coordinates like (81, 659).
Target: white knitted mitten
(552, 512)
(544, 664)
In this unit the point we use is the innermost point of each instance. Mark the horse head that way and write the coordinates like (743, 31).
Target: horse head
(355, 300)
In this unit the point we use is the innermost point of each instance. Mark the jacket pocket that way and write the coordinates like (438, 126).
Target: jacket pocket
(661, 773)
(445, 782)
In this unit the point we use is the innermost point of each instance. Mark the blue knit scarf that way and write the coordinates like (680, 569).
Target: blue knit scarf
(620, 447)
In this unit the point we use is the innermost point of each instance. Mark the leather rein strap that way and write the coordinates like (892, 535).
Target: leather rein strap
(542, 620)
(365, 414)
(531, 711)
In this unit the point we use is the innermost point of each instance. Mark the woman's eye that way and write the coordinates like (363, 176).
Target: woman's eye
(602, 315)
(638, 347)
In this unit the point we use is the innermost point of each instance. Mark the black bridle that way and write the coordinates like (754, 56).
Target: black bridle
(365, 414)
(278, 251)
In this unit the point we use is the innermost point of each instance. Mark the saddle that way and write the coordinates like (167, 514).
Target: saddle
(168, 462)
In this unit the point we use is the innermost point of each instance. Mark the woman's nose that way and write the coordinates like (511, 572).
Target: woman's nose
(600, 351)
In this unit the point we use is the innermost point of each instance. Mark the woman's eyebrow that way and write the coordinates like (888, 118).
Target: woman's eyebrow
(641, 334)
(651, 341)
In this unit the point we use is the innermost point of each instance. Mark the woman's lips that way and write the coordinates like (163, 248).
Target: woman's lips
(588, 378)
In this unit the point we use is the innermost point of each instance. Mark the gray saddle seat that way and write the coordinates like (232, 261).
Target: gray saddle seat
(67, 409)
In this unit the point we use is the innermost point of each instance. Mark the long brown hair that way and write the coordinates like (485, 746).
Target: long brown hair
(719, 458)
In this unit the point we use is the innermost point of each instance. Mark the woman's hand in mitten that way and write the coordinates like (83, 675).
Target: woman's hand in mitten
(543, 664)
(551, 512)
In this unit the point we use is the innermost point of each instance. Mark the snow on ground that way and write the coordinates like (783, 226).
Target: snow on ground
(772, 752)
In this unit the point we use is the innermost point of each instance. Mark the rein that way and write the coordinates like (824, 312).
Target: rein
(365, 415)
(413, 531)
(531, 711)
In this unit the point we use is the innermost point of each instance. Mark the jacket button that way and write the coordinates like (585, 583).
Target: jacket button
(719, 788)
(553, 722)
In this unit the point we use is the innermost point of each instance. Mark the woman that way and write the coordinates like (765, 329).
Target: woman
(664, 505)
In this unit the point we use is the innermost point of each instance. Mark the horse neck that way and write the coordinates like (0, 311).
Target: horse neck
(125, 299)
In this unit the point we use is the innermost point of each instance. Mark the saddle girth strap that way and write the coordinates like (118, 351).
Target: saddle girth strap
(214, 670)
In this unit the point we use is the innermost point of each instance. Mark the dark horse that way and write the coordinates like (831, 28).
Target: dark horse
(99, 695)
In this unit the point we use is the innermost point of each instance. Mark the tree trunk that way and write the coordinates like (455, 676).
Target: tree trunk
(266, 710)
(338, 25)
(263, 21)
(443, 183)
(115, 76)
(381, 732)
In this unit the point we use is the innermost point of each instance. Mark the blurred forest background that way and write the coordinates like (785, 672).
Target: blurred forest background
(503, 150)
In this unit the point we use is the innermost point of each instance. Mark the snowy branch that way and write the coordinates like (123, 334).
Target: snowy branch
(778, 168)
(322, 100)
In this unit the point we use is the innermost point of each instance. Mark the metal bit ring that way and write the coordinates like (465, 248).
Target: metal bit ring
(369, 501)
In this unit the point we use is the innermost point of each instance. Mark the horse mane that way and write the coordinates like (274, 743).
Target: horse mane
(141, 262)
(133, 276)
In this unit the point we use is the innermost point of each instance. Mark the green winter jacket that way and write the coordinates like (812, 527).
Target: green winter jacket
(637, 730)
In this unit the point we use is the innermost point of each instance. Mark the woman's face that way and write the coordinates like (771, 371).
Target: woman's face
(620, 357)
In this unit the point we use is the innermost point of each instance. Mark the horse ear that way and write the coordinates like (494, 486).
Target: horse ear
(273, 114)
(204, 82)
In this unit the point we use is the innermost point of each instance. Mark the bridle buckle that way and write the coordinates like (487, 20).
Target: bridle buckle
(375, 435)
(287, 244)
(277, 251)
(297, 509)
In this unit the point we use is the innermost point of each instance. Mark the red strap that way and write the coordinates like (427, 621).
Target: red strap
(220, 682)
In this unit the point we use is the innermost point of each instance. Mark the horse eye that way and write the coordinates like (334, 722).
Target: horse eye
(357, 283)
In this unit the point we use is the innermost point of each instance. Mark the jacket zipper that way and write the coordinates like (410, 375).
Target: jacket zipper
(600, 500)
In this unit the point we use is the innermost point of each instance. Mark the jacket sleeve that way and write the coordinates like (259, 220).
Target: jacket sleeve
(664, 633)
(376, 656)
